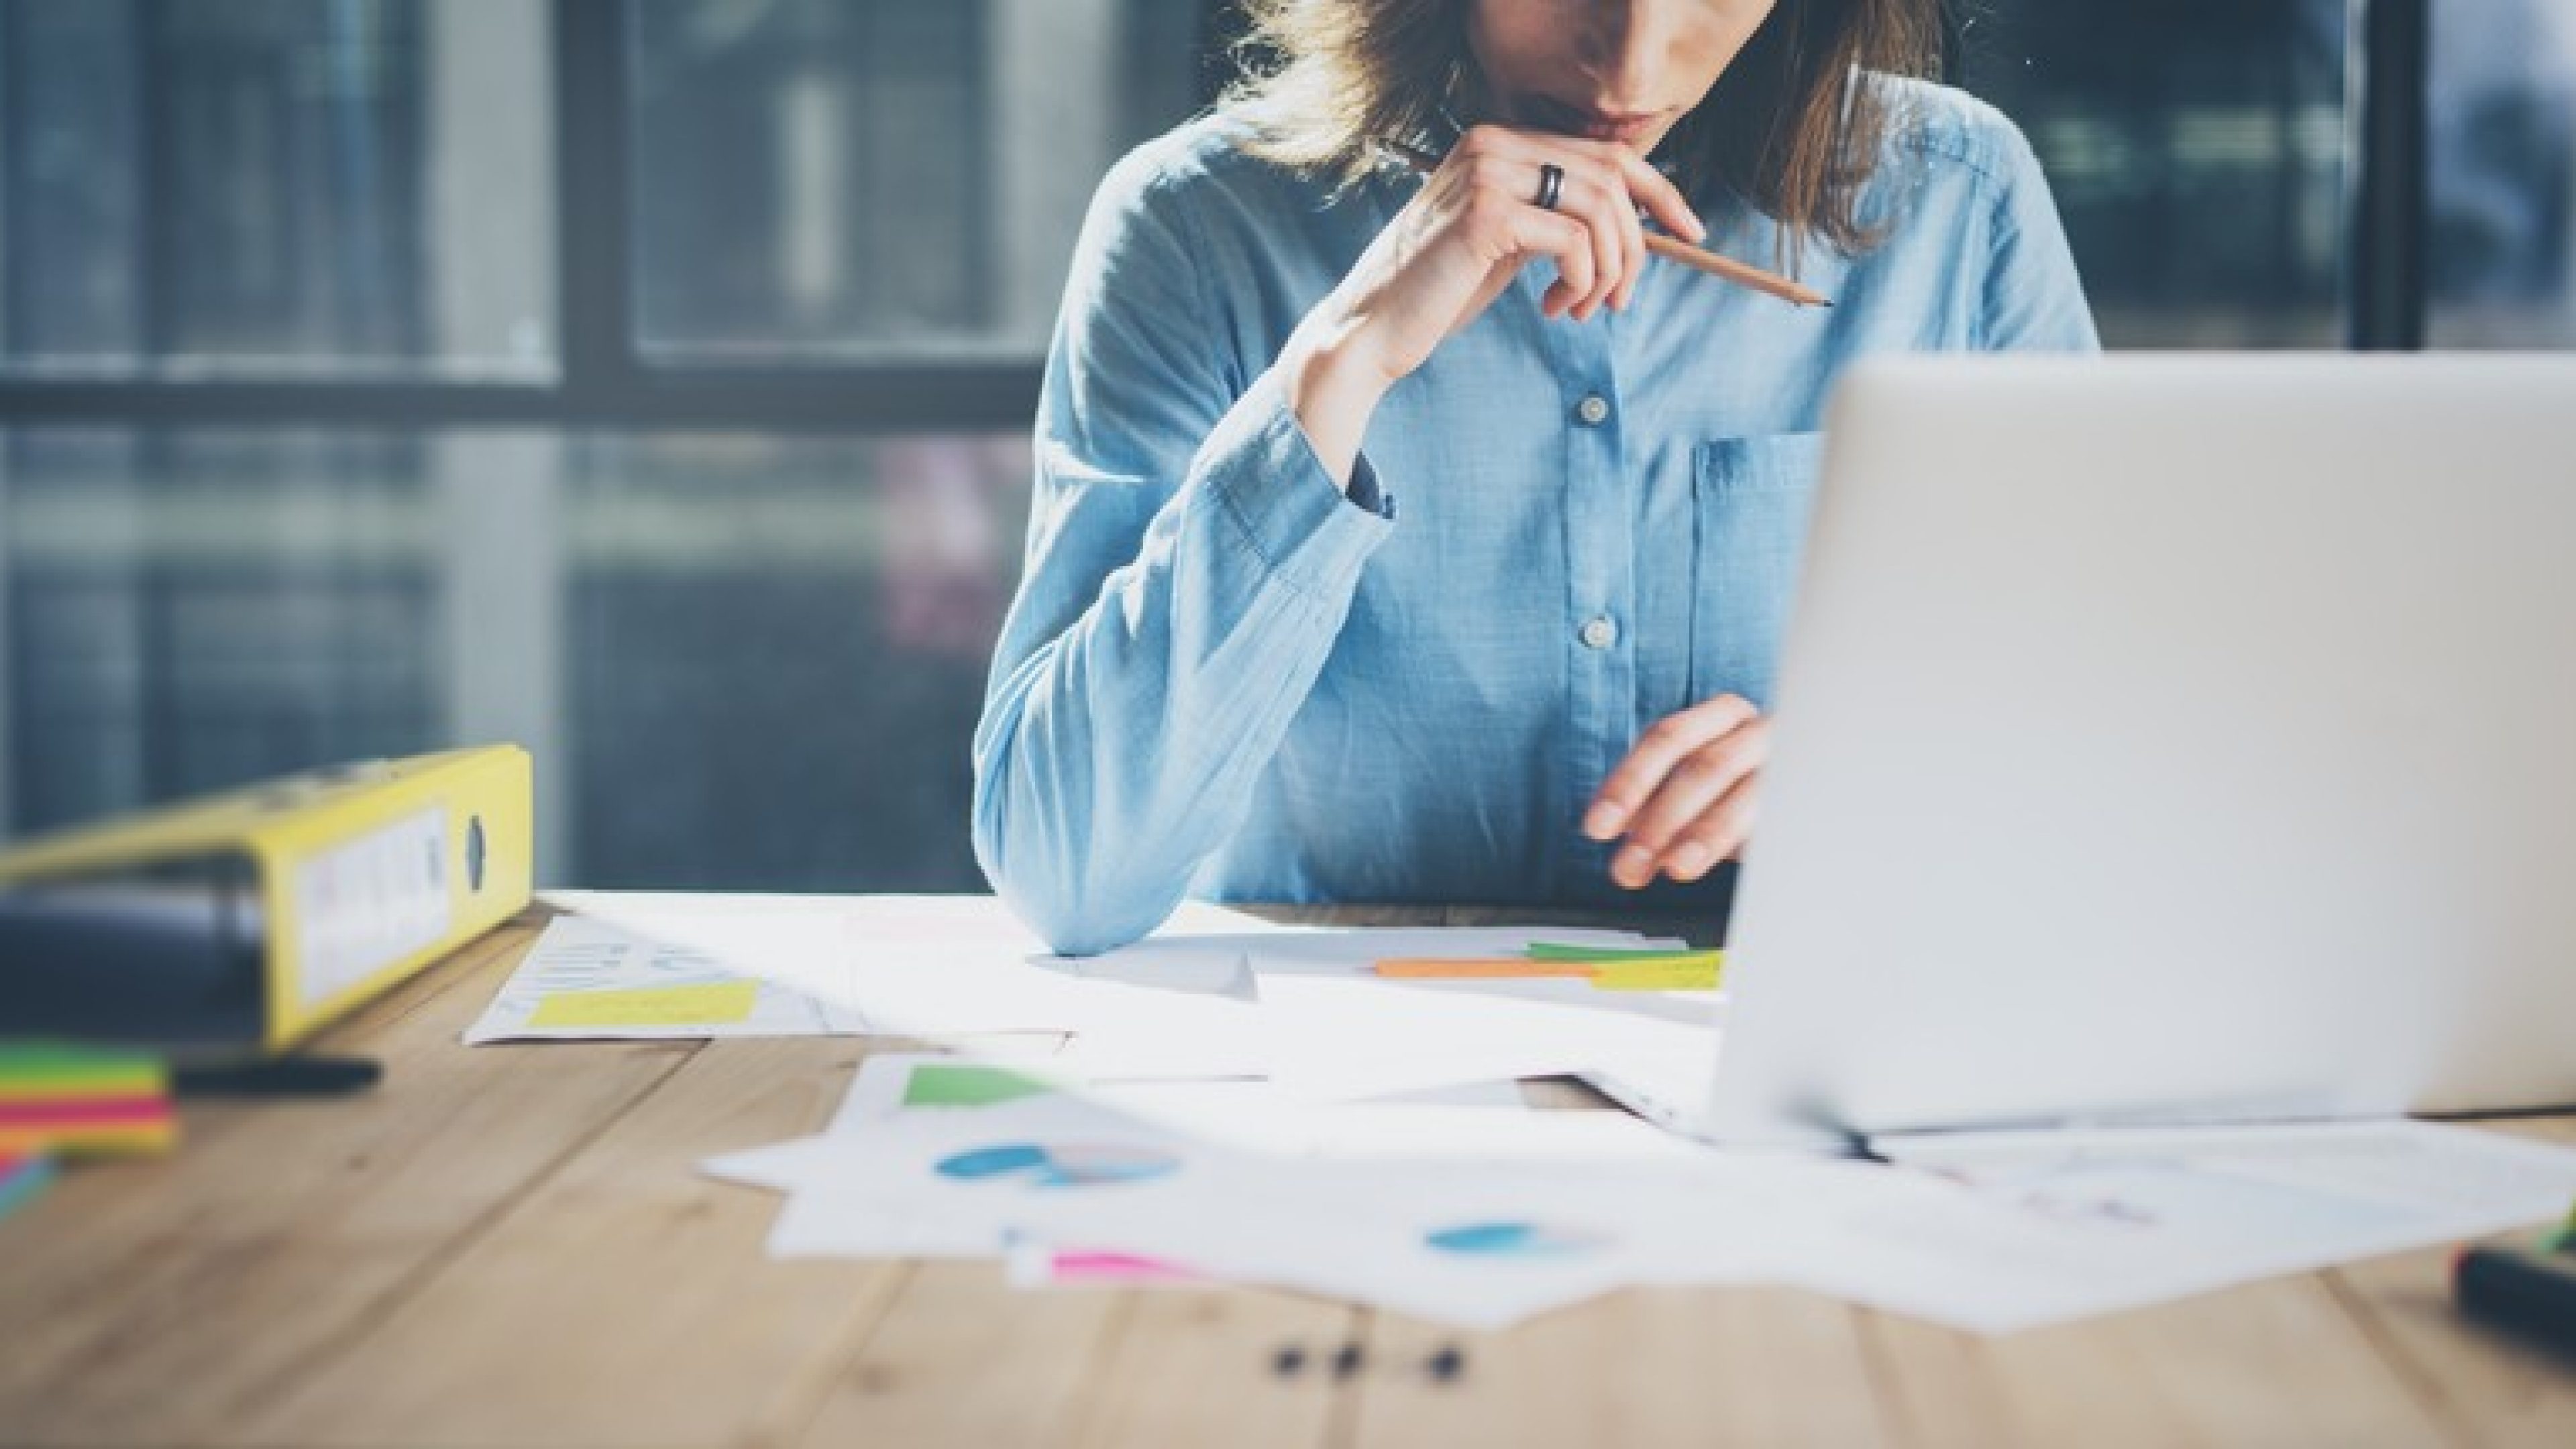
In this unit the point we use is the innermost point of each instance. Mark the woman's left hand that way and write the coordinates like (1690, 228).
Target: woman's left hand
(1684, 797)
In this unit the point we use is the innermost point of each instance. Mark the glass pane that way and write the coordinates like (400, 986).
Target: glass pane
(185, 612)
(776, 651)
(2503, 175)
(255, 187)
(2196, 148)
(857, 178)
(742, 661)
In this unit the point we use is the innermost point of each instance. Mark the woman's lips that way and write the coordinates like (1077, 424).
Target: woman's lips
(1627, 127)
(1627, 131)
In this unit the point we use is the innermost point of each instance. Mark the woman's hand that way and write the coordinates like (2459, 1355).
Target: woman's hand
(1684, 797)
(1453, 249)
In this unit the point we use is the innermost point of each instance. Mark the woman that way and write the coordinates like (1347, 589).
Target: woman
(1236, 669)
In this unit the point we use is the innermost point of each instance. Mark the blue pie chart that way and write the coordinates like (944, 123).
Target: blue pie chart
(1515, 1240)
(1061, 1165)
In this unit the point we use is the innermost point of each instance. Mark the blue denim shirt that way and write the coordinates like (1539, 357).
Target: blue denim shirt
(1224, 678)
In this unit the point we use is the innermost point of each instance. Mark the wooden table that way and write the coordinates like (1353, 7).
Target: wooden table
(510, 1246)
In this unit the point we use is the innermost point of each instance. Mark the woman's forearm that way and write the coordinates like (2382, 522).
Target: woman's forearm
(1334, 381)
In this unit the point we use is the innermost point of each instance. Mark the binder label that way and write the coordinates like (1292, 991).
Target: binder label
(363, 906)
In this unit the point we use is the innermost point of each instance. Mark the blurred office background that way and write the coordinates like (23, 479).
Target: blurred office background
(647, 380)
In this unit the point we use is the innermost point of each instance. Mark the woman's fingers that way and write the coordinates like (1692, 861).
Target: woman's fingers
(1657, 751)
(1632, 240)
(1617, 165)
(1698, 815)
(1683, 798)
(1599, 204)
(1507, 172)
(1655, 191)
(1629, 183)
(1568, 241)
(1603, 185)
(1718, 834)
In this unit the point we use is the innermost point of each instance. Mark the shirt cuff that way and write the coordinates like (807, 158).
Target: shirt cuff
(1364, 489)
(1260, 467)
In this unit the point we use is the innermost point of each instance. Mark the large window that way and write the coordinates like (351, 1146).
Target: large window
(649, 380)
(835, 179)
(744, 660)
(645, 382)
(2197, 149)
(295, 187)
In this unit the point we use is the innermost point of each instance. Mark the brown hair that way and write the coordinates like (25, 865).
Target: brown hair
(1782, 128)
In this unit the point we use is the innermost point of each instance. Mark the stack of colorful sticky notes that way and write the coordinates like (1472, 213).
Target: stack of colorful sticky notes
(77, 1101)
(1607, 968)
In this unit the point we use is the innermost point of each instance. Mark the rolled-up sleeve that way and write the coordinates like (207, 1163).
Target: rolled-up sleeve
(1189, 566)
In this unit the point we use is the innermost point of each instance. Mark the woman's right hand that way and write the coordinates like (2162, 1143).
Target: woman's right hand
(1453, 249)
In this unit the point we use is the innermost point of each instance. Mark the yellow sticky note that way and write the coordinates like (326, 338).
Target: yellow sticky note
(719, 1003)
(1679, 974)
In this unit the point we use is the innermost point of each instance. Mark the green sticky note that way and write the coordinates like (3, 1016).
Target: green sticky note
(935, 1084)
(1613, 955)
(1672, 973)
(47, 1068)
(722, 1003)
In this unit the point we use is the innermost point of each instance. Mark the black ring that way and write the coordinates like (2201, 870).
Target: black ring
(1551, 185)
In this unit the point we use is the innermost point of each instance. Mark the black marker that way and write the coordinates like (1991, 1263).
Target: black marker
(284, 1077)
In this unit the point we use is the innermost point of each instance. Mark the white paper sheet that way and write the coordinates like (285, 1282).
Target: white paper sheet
(1479, 1217)
(1215, 994)
(1668, 1083)
(578, 954)
(1243, 1116)
(1360, 1036)
(1467, 1215)
(2047, 1227)
(941, 967)
(1474, 1245)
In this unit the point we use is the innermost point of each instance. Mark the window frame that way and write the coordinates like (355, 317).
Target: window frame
(602, 380)
(2388, 214)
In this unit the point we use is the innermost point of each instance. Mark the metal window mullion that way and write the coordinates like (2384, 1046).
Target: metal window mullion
(594, 256)
(864, 398)
(2389, 70)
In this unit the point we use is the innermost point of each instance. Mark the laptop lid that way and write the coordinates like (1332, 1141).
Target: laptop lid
(2171, 738)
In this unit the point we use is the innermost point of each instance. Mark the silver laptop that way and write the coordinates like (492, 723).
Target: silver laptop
(2171, 738)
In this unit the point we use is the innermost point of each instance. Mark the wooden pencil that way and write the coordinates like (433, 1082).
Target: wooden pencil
(1674, 249)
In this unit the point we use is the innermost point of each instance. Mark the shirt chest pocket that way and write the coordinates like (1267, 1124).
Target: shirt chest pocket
(1750, 501)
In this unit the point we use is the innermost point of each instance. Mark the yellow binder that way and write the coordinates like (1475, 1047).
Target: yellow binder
(250, 919)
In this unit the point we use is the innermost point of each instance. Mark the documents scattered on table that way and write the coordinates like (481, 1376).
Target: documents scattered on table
(1216, 993)
(1232, 1101)
(1483, 1216)
(592, 977)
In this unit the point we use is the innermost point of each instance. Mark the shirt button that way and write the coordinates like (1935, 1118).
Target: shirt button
(1593, 411)
(1599, 633)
